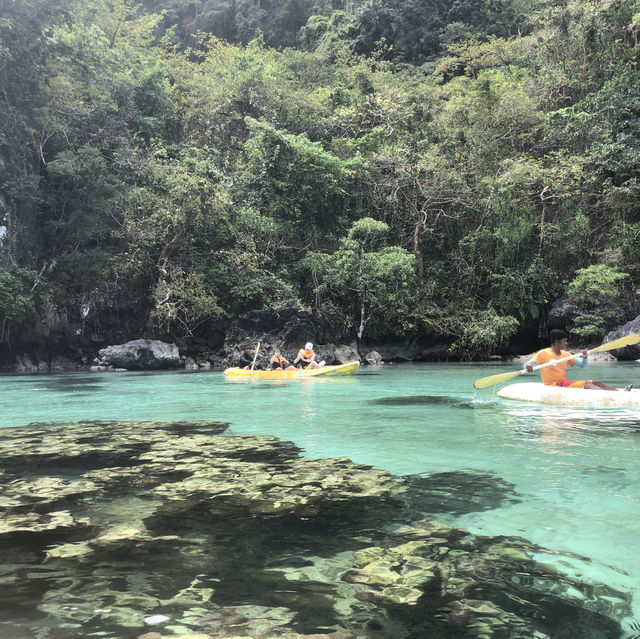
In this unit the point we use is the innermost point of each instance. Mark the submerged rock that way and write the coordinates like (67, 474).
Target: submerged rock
(22, 493)
(95, 444)
(489, 587)
(458, 492)
(187, 464)
(396, 575)
(169, 529)
(300, 486)
(34, 523)
(65, 551)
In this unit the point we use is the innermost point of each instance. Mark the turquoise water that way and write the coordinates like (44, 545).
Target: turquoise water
(574, 473)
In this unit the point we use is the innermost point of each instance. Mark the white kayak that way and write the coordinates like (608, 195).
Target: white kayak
(537, 392)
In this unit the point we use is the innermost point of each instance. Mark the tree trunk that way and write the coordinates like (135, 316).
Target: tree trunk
(543, 215)
(416, 248)
(363, 320)
(5, 231)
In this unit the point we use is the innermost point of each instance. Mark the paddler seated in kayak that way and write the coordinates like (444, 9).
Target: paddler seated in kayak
(278, 361)
(246, 359)
(556, 374)
(308, 357)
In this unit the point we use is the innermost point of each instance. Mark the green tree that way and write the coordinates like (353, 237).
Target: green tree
(478, 332)
(16, 302)
(174, 221)
(372, 281)
(294, 181)
(594, 290)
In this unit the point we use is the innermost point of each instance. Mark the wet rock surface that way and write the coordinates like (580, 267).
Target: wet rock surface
(150, 530)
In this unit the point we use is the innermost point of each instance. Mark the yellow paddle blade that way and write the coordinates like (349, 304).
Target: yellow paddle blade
(492, 380)
(621, 342)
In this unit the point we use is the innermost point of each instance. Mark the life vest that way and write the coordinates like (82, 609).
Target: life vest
(306, 354)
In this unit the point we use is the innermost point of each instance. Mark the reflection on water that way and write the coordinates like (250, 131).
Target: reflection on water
(600, 422)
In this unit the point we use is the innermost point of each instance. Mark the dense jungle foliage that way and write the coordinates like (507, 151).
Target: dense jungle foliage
(433, 168)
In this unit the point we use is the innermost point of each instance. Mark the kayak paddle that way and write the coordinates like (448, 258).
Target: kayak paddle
(255, 357)
(493, 380)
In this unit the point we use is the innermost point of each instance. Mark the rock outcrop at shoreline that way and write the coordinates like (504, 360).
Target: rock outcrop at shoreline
(141, 354)
(152, 530)
(287, 329)
(628, 352)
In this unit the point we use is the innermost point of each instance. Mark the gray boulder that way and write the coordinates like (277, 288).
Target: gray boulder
(190, 364)
(345, 353)
(336, 353)
(141, 354)
(26, 364)
(373, 358)
(628, 352)
(562, 313)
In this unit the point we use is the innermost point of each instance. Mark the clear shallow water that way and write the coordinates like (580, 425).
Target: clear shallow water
(574, 472)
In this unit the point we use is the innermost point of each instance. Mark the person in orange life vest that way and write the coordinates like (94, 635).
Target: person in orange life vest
(279, 361)
(556, 375)
(308, 357)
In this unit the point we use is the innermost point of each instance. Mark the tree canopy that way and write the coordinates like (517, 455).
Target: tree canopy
(441, 170)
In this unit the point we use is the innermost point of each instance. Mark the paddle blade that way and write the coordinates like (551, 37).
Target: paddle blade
(492, 380)
(621, 342)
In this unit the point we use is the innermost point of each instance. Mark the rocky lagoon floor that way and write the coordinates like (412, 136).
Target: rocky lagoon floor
(198, 528)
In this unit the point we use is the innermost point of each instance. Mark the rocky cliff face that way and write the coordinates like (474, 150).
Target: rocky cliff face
(289, 328)
(59, 348)
(628, 352)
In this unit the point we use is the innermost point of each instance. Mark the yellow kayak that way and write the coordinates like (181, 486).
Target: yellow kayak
(536, 392)
(296, 373)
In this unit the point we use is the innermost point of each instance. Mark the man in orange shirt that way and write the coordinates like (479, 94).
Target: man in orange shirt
(556, 375)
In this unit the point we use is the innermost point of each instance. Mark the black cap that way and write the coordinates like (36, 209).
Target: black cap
(557, 334)
(246, 346)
